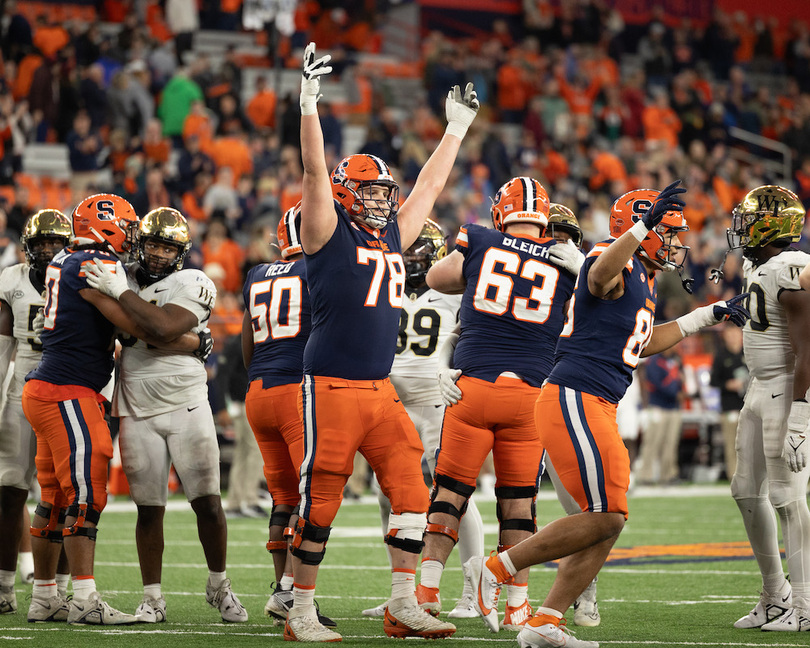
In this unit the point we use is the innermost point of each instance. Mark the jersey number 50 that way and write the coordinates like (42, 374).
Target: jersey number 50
(275, 308)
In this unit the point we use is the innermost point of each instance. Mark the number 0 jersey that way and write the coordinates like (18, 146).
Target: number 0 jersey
(277, 298)
(766, 343)
(356, 283)
(513, 307)
(602, 340)
(17, 289)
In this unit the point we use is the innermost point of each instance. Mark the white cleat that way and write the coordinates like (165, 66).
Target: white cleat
(94, 611)
(465, 608)
(378, 611)
(586, 610)
(8, 599)
(152, 610)
(278, 605)
(794, 620)
(404, 617)
(303, 625)
(485, 590)
(224, 600)
(549, 635)
(767, 609)
(55, 608)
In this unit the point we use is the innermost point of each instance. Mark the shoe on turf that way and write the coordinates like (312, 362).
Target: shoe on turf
(549, 635)
(55, 608)
(223, 599)
(767, 609)
(378, 611)
(465, 609)
(303, 625)
(485, 590)
(323, 619)
(278, 605)
(794, 620)
(515, 617)
(429, 599)
(152, 610)
(94, 611)
(405, 618)
(8, 599)
(586, 610)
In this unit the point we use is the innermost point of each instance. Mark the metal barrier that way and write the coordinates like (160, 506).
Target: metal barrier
(783, 168)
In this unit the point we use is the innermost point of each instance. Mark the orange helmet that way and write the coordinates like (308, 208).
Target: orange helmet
(521, 200)
(352, 180)
(656, 246)
(106, 219)
(289, 231)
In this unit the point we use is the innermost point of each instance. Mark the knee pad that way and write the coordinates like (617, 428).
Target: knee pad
(515, 524)
(280, 519)
(781, 493)
(406, 531)
(82, 514)
(306, 531)
(55, 517)
(454, 486)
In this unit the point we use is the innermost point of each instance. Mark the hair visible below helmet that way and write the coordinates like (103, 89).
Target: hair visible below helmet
(352, 180)
(289, 232)
(428, 248)
(767, 214)
(105, 219)
(46, 223)
(656, 247)
(520, 200)
(165, 225)
(561, 218)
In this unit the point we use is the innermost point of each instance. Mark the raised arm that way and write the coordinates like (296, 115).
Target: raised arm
(446, 275)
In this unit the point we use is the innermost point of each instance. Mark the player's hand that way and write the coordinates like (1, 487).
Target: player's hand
(566, 256)
(732, 310)
(311, 72)
(794, 449)
(461, 110)
(38, 325)
(665, 201)
(100, 276)
(206, 345)
(448, 387)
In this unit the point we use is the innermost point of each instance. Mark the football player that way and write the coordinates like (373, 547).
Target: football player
(21, 288)
(427, 320)
(771, 445)
(512, 310)
(353, 232)
(608, 328)
(62, 402)
(162, 402)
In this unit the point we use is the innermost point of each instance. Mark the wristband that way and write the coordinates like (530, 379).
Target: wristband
(639, 231)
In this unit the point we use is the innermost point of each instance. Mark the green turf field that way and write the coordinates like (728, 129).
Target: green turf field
(680, 575)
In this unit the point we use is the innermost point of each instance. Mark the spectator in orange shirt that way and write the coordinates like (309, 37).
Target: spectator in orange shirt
(232, 151)
(198, 123)
(512, 89)
(661, 124)
(261, 109)
(49, 38)
(581, 93)
(192, 201)
(156, 148)
(607, 171)
(219, 247)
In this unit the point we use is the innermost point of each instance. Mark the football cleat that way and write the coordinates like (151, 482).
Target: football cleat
(378, 611)
(224, 600)
(767, 609)
(515, 617)
(429, 599)
(55, 608)
(152, 610)
(465, 609)
(404, 618)
(485, 589)
(278, 605)
(537, 634)
(8, 599)
(303, 625)
(94, 611)
(794, 620)
(586, 610)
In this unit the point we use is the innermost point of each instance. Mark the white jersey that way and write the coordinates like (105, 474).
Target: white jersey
(766, 343)
(425, 323)
(25, 300)
(152, 381)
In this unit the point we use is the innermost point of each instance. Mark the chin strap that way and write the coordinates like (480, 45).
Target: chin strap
(688, 283)
(716, 275)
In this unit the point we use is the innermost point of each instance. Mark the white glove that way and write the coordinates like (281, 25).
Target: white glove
(566, 256)
(107, 281)
(446, 375)
(794, 450)
(38, 325)
(310, 81)
(460, 111)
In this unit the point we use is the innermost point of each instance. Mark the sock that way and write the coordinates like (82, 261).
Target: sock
(544, 615)
(286, 582)
(431, 574)
(516, 594)
(7, 577)
(501, 567)
(25, 563)
(43, 588)
(62, 581)
(403, 583)
(773, 583)
(152, 591)
(303, 595)
(83, 587)
(215, 579)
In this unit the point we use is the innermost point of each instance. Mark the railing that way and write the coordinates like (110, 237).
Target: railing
(783, 168)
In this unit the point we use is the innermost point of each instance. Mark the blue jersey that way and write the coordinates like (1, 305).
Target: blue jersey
(602, 340)
(77, 342)
(356, 282)
(277, 298)
(513, 307)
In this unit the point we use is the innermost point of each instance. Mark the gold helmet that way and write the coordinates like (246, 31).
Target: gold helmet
(562, 219)
(166, 225)
(425, 251)
(45, 224)
(767, 214)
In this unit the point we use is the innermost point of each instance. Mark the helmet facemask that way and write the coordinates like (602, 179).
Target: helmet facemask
(40, 250)
(418, 260)
(378, 211)
(663, 249)
(154, 265)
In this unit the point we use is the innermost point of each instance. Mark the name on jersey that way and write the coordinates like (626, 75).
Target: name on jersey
(280, 269)
(522, 245)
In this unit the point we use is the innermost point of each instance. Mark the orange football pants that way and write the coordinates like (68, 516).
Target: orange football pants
(580, 434)
(74, 447)
(497, 417)
(276, 423)
(344, 416)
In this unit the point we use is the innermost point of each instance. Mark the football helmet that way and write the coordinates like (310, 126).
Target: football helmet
(767, 214)
(520, 200)
(45, 224)
(352, 182)
(562, 219)
(425, 251)
(165, 225)
(289, 232)
(659, 247)
(108, 220)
